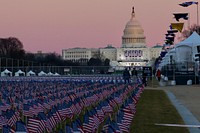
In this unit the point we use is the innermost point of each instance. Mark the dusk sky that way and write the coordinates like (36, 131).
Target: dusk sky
(53, 25)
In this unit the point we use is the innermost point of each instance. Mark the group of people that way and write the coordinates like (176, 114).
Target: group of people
(128, 74)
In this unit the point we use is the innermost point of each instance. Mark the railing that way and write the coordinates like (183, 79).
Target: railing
(180, 73)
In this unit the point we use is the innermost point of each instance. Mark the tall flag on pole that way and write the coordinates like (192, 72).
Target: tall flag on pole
(171, 31)
(178, 16)
(178, 26)
(170, 38)
(171, 34)
(186, 4)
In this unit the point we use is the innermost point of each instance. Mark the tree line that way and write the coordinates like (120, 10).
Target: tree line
(12, 53)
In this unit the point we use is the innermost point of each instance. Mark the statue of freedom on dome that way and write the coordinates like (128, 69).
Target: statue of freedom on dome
(133, 10)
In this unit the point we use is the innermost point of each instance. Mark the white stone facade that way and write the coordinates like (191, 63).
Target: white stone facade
(118, 56)
(132, 56)
(108, 52)
(133, 51)
(79, 54)
(155, 51)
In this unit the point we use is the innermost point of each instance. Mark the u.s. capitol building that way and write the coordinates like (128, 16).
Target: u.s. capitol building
(133, 52)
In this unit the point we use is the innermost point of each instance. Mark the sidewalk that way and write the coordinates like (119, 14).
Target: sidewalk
(186, 99)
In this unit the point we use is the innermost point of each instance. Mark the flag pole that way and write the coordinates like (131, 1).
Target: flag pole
(197, 14)
(198, 17)
(188, 21)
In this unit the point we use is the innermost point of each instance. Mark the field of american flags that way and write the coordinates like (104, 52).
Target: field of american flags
(67, 104)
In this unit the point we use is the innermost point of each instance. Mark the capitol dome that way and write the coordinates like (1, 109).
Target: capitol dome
(133, 33)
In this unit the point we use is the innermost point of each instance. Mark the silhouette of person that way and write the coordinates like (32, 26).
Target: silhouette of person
(126, 76)
(134, 74)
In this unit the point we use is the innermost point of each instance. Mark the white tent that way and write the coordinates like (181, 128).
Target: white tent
(56, 74)
(30, 73)
(42, 73)
(193, 39)
(50, 74)
(186, 50)
(6, 73)
(170, 57)
(19, 73)
(184, 53)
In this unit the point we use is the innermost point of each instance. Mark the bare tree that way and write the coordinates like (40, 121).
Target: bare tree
(186, 33)
(11, 47)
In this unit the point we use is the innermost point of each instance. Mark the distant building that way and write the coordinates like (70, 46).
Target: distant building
(133, 51)
(108, 52)
(79, 54)
(155, 51)
(40, 54)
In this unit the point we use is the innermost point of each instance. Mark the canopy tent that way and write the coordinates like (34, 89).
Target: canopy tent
(19, 73)
(170, 57)
(30, 73)
(50, 74)
(192, 40)
(42, 73)
(6, 73)
(56, 74)
(188, 48)
(184, 53)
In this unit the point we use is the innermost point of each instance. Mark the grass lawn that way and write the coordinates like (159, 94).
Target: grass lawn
(155, 107)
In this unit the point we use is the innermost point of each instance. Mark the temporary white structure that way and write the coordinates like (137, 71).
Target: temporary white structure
(56, 74)
(193, 39)
(19, 73)
(187, 49)
(184, 53)
(50, 74)
(30, 73)
(42, 73)
(170, 57)
(6, 73)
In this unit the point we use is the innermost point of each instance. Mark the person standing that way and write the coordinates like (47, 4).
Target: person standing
(158, 74)
(134, 74)
(144, 79)
(126, 75)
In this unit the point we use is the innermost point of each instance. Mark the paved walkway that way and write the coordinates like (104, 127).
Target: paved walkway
(186, 99)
